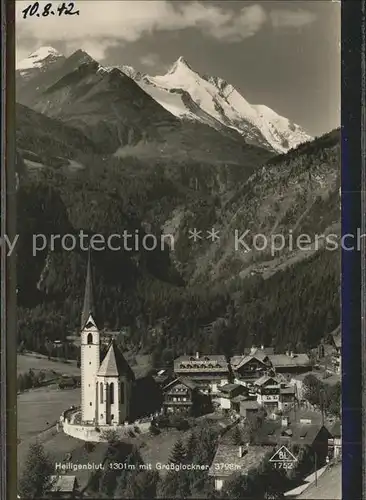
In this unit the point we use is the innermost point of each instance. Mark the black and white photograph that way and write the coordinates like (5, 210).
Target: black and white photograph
(178, 180)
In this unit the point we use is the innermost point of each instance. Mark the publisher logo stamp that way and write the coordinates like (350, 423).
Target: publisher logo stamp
(283, 459)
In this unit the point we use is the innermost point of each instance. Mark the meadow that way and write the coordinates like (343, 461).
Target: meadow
(37, 362)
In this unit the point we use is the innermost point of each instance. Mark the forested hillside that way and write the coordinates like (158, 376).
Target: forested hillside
(167, 298)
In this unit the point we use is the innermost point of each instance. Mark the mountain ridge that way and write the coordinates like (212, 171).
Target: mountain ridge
(103, 156)
(187, 95)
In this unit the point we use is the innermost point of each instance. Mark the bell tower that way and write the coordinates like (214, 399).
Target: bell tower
(90, 351)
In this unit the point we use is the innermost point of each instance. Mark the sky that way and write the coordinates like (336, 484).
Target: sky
(283, 54)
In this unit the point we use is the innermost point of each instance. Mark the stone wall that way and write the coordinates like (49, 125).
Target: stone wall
(89, 433)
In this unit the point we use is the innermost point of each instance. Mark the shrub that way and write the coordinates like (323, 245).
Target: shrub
(154, 430)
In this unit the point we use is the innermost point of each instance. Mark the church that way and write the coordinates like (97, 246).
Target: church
(106, 385)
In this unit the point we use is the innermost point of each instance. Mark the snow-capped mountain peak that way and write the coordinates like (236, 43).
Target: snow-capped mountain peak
(187, 94)
(179, 65)
(213, 100)
(38, 58)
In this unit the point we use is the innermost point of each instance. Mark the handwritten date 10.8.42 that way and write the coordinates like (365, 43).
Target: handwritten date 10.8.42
(63, 9)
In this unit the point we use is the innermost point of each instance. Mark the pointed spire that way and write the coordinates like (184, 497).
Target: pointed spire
(88, 308)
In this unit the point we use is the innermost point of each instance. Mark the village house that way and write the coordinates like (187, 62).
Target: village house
(183, 396)
(248, 408)
(267, 390)
(208, 372)
(211, 373)
(335, 442)
(64, 487)
(287, 397)
(274, 394)
(231, 459)
(250, 367)
(297, 381)
(337, 354)
(163, 377)
(290, 362)
(228, 396)
(302, 433)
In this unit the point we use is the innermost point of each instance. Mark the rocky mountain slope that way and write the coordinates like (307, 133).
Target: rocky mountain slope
(216, 102)
(111, 110)
(182, 91)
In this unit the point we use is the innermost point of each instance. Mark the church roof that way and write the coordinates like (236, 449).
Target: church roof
(88, 307)
(114, 364)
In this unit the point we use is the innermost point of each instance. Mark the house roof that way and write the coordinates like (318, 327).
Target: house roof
(295, 414)
(236, 360)
(64, 484)
(330, 380)
(216, 362)
(249, 404)
(246, 359)
(181, 380)
(264, 379)
(160, 379)
(287, 390)
(229, 454)
(230, 387)
(114, 364)
(327, 486)
(336, 429)
(337, 337)
(240, 398)
(265, 350)
(249, 354)
(285, 361)
(273, 433)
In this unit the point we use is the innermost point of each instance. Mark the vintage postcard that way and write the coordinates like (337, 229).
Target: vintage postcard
(178, 240)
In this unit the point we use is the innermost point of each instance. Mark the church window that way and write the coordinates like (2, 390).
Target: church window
(122, 393)
(90, 338)
(91, 404)
(112, 417)
(101, 392)
(111, 393)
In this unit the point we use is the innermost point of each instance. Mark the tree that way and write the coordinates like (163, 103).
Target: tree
(141, 485)
(111, 436)
(273, 480)
(236, 437)
(41, 377)
(244, 486)
(175, 485)
(35, 480)
(312, 387)
(333, 399)
(191, 446)
(304, 464)
(179, 453)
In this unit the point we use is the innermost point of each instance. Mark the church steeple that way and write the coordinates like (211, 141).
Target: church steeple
(88, 307)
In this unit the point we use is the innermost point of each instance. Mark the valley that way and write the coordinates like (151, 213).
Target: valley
(179, 369)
